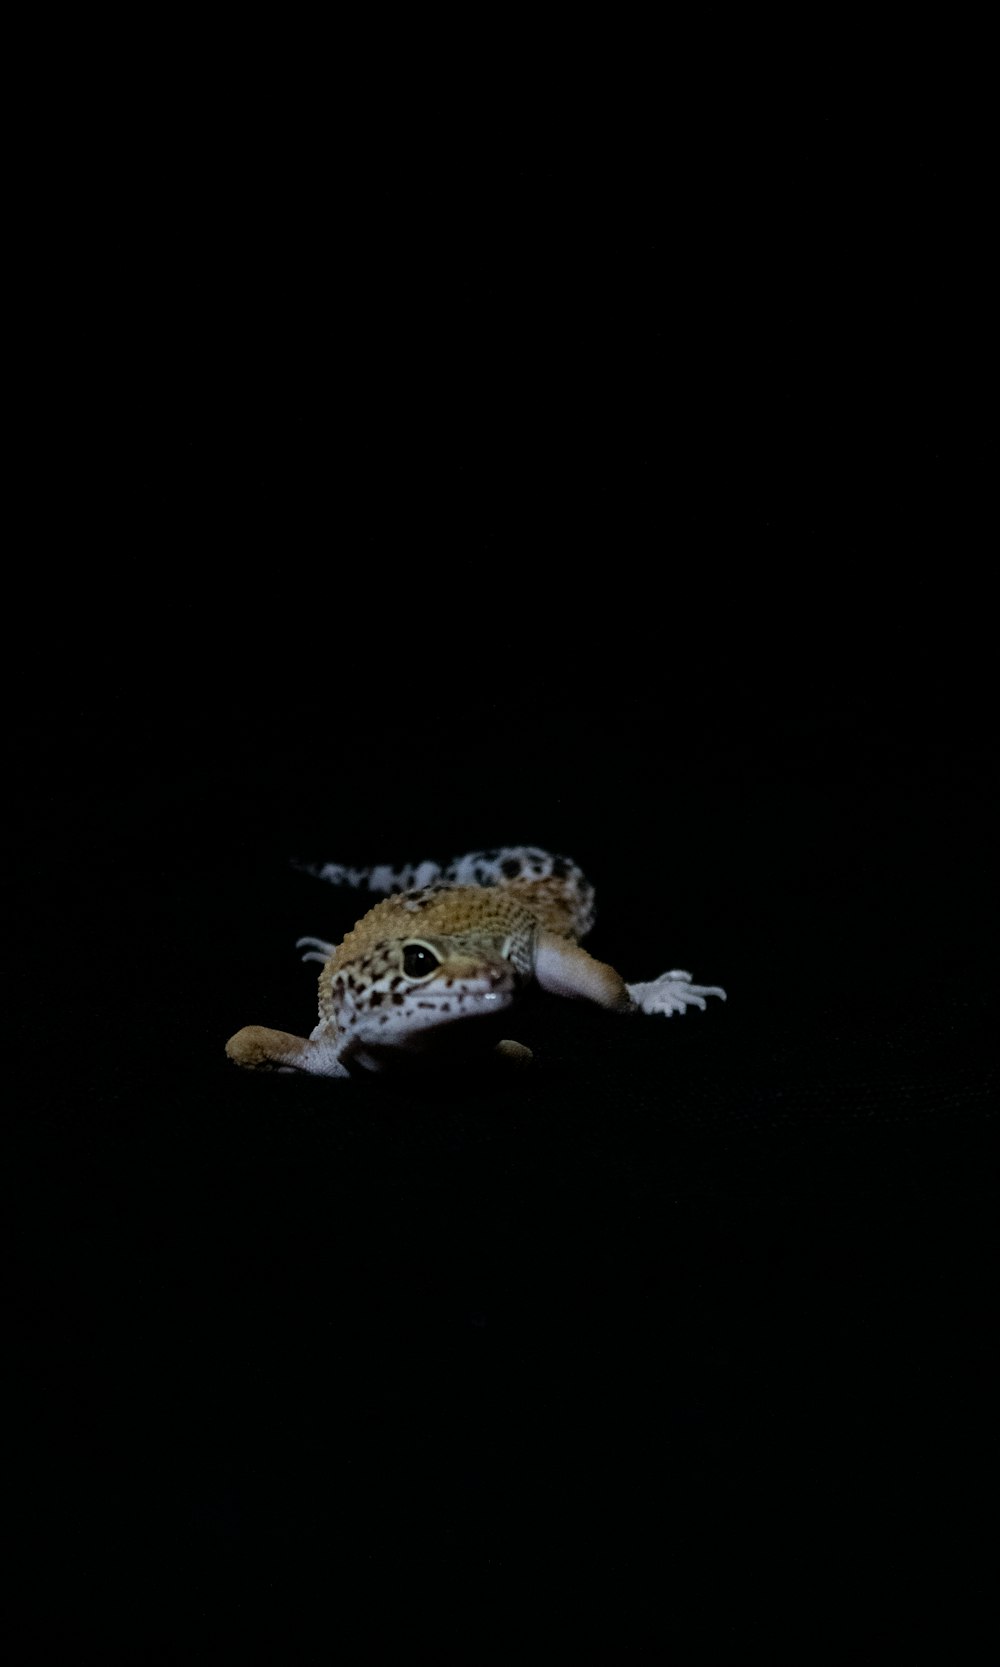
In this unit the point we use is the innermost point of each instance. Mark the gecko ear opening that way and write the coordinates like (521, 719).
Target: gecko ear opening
(419, 960)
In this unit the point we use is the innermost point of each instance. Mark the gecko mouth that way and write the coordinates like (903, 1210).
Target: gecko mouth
(458, 999)
(459, 1005)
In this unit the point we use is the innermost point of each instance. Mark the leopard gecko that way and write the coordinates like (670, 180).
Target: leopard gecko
(447, 951)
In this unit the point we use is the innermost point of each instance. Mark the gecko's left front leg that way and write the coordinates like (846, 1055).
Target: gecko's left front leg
(565, 969)
(673, 992)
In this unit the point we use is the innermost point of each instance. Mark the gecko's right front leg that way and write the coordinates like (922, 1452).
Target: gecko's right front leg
(258, 1049)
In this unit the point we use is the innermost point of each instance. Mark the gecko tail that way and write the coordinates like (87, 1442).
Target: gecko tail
(504, 865)
(380, 878)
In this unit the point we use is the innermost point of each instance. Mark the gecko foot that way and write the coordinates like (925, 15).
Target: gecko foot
(316, 949)
(513, 1053)
(672, 992)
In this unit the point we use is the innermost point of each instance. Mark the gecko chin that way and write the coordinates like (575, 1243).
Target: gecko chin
(430, 1031)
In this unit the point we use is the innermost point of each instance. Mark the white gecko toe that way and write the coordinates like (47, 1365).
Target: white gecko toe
(316, 949)
(672, 992)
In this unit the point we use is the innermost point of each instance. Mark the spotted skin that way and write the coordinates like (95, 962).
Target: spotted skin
(432, 967)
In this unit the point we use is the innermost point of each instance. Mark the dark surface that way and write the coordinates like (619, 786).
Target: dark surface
(681, 1338)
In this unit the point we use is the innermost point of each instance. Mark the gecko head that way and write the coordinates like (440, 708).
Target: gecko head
(407, 988)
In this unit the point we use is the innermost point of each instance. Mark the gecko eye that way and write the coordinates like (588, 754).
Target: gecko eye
(418, 960)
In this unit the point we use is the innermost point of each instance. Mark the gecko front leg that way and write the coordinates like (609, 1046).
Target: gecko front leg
(564, 969)
(257, 1048)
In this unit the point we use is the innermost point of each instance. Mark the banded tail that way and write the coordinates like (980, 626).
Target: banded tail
(500, 867)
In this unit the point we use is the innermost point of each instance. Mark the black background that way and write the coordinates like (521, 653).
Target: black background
(614, 491)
